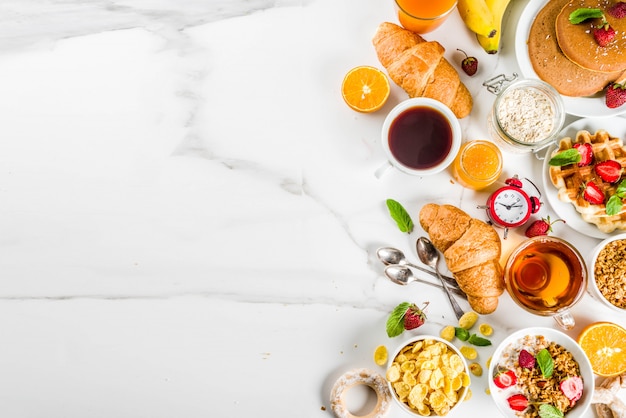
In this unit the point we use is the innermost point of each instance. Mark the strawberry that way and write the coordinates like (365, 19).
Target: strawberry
(469, 64)
(604, 34)
(526, 360)
(609, 170)
(618, 10)
(518, 402)
(572, 388)
(586, 153)
(414, 317)
(615, 95)
(540, 227)
(505, 379)
(592, 193)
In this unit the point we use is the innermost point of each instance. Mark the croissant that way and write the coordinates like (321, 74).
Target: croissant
(471, 249)
(420, 68)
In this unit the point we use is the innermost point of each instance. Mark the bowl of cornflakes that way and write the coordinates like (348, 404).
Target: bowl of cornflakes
(428, 376)
(607, 273)
(541, 372)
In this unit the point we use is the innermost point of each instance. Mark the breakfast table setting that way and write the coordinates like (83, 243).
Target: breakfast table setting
(197, 221)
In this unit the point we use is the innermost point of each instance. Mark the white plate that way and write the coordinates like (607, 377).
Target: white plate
(616, 126)
(500, 395)
(590, 106)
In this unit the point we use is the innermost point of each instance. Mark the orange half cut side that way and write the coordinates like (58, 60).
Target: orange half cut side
(365, 89)
(605, 345)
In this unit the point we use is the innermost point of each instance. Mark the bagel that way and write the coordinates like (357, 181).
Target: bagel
(360, 377)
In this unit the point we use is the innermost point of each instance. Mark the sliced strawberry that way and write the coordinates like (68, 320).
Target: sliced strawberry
(505, 379)
(525, 359)
(586, 154)
(518, 402)
(609, 170)
(592, 193)
(572, 388)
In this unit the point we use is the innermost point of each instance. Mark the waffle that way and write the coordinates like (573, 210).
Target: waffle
(569, 179)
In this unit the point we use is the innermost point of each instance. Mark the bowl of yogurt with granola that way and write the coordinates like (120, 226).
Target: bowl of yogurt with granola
(541, 372)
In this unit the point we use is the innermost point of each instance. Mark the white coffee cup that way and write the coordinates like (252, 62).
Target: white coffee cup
(420, 136)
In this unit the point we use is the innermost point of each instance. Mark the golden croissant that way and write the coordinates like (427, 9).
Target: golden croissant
(419, 67)
(471, 249)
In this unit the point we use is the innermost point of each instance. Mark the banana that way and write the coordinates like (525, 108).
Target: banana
(477, 17)
(497, 8)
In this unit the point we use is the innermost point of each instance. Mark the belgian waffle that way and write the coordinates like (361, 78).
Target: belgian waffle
(569, 179)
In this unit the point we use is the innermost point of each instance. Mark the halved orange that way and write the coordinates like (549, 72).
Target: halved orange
(365, 89)
(605, 345)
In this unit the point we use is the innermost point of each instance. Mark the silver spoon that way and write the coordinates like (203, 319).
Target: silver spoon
(390, 255)
(429, 255)
(403, 275)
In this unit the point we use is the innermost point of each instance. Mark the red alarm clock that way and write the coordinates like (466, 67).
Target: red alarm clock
(510, 206)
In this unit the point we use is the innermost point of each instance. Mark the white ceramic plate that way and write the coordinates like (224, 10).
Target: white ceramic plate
(616, 126)
(591, 106)
(500, 395)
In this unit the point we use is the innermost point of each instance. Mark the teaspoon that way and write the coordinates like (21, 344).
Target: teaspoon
(429, 255)
(390, 255)
(403, 275)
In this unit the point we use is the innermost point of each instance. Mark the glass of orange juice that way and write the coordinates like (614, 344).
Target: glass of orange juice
(422, 16)
(478, 164)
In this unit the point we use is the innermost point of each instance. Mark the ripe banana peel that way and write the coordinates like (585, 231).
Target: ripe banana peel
(477, 17)
(497, 8)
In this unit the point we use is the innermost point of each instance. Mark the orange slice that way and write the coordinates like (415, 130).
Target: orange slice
(605, 345)
(365, 89)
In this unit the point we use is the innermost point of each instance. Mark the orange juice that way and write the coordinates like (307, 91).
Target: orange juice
(423, 16)
(478, 164)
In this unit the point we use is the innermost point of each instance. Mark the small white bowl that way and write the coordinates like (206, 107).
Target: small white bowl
(440, 114)
(595, 291)
(461, 393)
(500, 396)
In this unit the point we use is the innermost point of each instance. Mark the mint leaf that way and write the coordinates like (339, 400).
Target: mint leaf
(395, 322)
(614, 205)
(566, 157)
(621, 189)
(549, 411)
(478, 341)
(461, 333)
(546, 364)
(580, 15)
(400, 215)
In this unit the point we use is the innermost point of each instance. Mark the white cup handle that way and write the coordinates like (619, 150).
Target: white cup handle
(565, 320)
(382, 169)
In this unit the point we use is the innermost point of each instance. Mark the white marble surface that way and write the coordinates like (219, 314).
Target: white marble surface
(189, 215)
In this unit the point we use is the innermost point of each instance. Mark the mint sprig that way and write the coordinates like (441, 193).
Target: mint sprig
(614, 204)
(478, 341)
(549, 411)
(582, 14)
(395, 322)
(569, 156)
(546, 364)
(400, 215)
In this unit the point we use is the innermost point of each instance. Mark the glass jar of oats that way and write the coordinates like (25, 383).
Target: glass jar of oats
(527, 116)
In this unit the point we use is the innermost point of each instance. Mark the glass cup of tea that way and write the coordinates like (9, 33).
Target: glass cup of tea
(423, 16)
(420, 136)
(546, 276)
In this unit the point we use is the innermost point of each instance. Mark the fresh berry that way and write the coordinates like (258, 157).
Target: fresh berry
(540, 227)
(505, 379)
(615, 95)
(572, 388)
(604, 34)
(586, 153)
(414, 317)
(469, 64)
(609, 170)
(518, 402)
(618, 10)
(526, 360)
(592, 193)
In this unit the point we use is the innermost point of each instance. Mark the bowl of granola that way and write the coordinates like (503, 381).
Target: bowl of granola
(607, 273)
(538, 372)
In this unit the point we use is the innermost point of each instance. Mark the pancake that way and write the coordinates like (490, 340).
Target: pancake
(552, 66)
(578, 44)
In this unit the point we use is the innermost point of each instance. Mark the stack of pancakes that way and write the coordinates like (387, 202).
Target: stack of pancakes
(568, 57)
